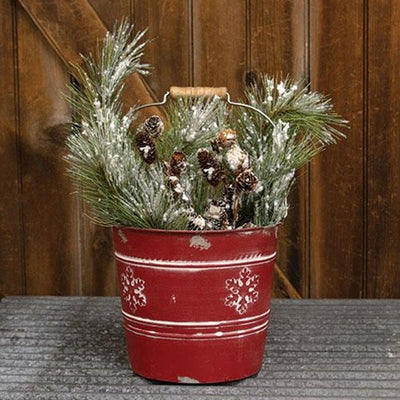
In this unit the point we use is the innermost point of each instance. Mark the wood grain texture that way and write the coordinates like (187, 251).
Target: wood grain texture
(169, 51)
(337, 208)
(74, 348)
(52, 266)
(278, 35)
(219, 44)
(12, 279)
(111, 13)
(383, 145)
(97, 269)
(344, 219)
(73, 28)
(278, 46)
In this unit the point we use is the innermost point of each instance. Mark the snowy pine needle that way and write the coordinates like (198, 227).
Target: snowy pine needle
(205, 166)
(107, 171)
(305, 124)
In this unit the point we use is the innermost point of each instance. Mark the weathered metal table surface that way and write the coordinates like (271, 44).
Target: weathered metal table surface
(73, 348)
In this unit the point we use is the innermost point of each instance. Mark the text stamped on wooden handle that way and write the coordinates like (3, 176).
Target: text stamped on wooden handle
(200, 91)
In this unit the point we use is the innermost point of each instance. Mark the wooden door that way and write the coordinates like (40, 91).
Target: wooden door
(340, 239)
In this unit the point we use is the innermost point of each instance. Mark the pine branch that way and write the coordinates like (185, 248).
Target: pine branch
(305, 124)
(103, 164)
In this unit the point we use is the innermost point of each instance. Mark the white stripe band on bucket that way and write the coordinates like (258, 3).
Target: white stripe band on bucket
(191, 265)
(199, 336)
(193, 323)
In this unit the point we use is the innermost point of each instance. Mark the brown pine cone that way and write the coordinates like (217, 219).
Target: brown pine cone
(154, 126)
(177, 163)
(146, 147)
(237, 159)
(196, 223)
(217, 214)
(226, 138)
(246, 181)
(174, 184)
(176, 187)
(229, 200)
(210, 167)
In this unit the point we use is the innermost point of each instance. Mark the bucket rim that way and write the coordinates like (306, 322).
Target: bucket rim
(194, 232)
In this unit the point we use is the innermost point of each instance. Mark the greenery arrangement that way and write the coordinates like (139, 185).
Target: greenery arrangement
(204, 165)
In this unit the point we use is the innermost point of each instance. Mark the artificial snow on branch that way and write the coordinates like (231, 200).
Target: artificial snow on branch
(205, 165)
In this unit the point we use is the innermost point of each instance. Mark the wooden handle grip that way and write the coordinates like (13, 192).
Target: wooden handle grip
(176, 91)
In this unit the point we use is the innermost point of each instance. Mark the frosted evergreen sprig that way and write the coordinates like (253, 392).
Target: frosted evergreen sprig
(108, 173)
(304, 124)
(204, 166)
(192, 124)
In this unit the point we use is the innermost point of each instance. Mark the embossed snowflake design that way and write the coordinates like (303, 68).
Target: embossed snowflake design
(242, 290)
(133, 290)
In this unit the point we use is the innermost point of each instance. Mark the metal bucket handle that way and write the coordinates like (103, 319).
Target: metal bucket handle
(203, 91)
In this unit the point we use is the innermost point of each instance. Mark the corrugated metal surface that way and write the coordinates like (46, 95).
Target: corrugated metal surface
(73, 348)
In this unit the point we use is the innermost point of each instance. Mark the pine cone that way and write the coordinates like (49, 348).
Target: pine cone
(217, 213)
(237, 159)
(177, 163)
(146, 147)
(196, 223)
(229, 200)
(246, 181)
(154, 126)
(175, 185)
(226, 138)
(215, 146)
(210, 167)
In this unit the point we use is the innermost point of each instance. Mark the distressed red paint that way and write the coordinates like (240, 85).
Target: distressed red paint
(195, 305)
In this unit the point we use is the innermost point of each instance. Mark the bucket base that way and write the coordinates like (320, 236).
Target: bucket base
(196, 362)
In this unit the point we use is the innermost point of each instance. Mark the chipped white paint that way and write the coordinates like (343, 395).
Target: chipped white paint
(186, 379)
(242, 290)
(173, 299)
(199, 242)
(122, 236)
(246, 233)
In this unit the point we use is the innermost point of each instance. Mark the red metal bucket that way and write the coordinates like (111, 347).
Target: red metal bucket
(195, 305)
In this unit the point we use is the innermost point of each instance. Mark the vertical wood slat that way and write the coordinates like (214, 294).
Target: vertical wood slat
(97, 267)
(337, 208)
(219, 44)
(11, 244)
(278, 30)
(383, 149)
(278, 46)
(49, 225)
(169, 52)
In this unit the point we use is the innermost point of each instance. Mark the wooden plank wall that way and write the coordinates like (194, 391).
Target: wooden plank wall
(340, 238)
(337, 178)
